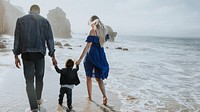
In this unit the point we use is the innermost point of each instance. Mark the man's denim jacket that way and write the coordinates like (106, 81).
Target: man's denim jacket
(32, 34)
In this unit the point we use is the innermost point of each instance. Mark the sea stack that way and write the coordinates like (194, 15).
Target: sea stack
(8, 17)
(111, 33)
(60, 24)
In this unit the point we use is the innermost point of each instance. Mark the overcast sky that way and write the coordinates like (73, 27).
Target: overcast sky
(131, 17)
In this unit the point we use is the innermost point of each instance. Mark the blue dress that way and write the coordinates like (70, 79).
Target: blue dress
(95, 62)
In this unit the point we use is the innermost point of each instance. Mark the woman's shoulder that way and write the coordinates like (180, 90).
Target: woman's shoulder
(92, 32)
(91, 38)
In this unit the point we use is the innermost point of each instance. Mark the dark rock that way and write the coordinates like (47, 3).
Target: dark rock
(118, 48)
(70, 48)
(67, 44)
(125, 49)
(59, 44)
(2, 45)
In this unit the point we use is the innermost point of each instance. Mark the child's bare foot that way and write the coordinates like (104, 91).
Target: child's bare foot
(59, 108)
(105, 100)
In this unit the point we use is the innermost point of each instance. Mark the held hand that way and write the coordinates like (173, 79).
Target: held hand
(78, 62)
(54, 61)
(17, 62)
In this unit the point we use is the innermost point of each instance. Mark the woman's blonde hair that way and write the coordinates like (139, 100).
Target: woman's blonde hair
(100, 28)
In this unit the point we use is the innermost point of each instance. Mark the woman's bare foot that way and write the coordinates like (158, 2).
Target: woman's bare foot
(105, 100)
(89, 98)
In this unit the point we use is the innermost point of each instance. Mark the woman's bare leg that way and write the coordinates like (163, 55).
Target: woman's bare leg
(103, 91)
(89, 87)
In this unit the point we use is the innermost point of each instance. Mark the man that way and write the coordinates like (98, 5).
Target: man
(31, 33)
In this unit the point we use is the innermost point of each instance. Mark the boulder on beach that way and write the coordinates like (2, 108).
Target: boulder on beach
(2, 45)
(8, 17)
(119, 48)
(59, 44)
(66, 44)
(59, 23)
(111, 33)
(125, 49)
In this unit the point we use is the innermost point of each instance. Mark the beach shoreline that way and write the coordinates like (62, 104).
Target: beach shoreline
(155, 74)
(14, 97)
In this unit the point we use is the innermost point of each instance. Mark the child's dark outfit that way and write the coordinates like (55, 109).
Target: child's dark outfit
(68, 79)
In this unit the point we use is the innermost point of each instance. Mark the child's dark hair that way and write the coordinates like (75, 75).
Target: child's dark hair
(69, 63)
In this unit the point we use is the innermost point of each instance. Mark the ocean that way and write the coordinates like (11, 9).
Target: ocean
(156, 74)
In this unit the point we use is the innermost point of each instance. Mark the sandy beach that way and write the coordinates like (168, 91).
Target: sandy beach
(13, 94)
(155, 74)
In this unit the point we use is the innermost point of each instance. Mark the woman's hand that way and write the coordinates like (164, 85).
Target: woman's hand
(78, 62)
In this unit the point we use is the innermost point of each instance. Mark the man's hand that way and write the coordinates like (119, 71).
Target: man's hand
(54, 61)
(17, 62)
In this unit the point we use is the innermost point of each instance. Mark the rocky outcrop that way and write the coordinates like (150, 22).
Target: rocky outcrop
(59, 44)
(8, 17)
(120, 48)
(111, 33)
(2, 45)
(60, 24)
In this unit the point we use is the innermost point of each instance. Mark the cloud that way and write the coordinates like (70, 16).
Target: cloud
(153, 17)
(137, 17)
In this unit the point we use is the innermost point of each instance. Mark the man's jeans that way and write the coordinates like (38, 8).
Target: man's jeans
(34, 70)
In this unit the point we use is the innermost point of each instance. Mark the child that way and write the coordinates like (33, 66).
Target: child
(68, 78)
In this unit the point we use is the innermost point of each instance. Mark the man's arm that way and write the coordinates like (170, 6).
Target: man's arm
(50, 43)
(16, 49)
(50, 40)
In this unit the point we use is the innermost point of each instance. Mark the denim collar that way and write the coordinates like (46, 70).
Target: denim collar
(31, 12)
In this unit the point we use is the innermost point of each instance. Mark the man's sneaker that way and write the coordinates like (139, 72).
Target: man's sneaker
(70, 107)
(41, 106)
(39, 103)
(29, 110)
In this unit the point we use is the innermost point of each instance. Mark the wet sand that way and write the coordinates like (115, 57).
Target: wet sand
(14, 98)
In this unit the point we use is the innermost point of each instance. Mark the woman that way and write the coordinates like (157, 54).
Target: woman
(95, 62)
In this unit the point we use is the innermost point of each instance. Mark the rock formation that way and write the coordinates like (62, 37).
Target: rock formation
(2, 45)
(60, 24)
(8, 17)
(111, 33)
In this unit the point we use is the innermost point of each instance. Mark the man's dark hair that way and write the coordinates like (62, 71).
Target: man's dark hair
(35, 8)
